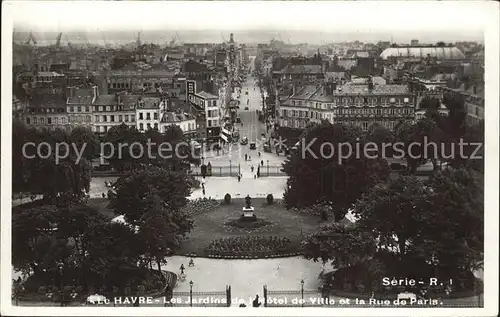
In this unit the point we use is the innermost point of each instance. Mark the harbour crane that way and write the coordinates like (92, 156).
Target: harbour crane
(58, 41)
(178, 38)
(31, 38)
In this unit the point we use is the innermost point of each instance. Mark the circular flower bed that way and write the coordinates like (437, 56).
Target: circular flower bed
(251, 246)
(242, 224)
(201, 205)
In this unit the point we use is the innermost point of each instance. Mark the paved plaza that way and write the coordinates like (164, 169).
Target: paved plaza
(217, 187)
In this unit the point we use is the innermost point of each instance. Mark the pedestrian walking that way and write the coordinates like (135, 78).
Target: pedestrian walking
(191, 262)
(239, 177)
(251, 168)
(258, 154)
(256, 302)
(203, 191)
(246, 157)
(254, 176)
(262, 162)
(182, 268)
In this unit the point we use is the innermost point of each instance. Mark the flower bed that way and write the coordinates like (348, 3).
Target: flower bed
(251, 247)
(240, 225)
(201, 205)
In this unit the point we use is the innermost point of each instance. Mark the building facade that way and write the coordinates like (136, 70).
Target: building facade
(359, 105)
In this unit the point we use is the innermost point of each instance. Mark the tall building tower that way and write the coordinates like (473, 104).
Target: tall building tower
(231, 38)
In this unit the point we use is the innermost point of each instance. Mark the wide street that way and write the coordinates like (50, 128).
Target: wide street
(250, 128)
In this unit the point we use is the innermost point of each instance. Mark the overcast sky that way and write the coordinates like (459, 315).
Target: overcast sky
(395, 17)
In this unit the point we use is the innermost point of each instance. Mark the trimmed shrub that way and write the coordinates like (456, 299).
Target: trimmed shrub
(270, 199)
(227, 199)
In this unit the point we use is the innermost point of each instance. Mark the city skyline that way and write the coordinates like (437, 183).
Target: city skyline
(312, 22)
(247, 36)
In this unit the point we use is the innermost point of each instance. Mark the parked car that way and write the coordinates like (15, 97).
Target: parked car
(244, 141)
(397, 167)
(253, 146)
(238, 120)
(246, 108)
(267, 147)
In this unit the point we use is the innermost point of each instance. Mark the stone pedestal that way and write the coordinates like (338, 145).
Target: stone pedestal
(248, 212)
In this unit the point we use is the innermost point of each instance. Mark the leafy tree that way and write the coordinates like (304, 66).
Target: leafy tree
(111, 249)
(124, 159)
(393, 211)
(162, 229)
(345, 247)
(380, 135)
(454, 224)
(66, 178)
(32, 229)
(81, 136)
(415, 137)
(329, 177)
(131, 191)
(341, 245)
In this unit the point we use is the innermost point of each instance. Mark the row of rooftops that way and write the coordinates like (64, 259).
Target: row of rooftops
(322, 93)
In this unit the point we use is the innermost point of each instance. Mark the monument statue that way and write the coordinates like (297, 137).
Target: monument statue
(248, 201)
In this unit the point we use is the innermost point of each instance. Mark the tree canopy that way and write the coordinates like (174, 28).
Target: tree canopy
(329, 177)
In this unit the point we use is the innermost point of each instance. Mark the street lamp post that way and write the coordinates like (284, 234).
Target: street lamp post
(191, 293)
(267, 168)
(230, 172)
(302, 291)
(60, 267)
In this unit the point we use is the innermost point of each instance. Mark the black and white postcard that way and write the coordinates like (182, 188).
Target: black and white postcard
(253, 158)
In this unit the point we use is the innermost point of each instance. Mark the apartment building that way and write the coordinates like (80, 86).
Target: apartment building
(147, 113)
(79, 105)
(208, 105)
(360, 105)
(114, 110)
(46, 112)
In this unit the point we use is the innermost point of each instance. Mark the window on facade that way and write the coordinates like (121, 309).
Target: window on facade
(28, 120)
(79, 108)
(87, 109)
(88, 118)
(155, 115)
(406, 100)
(156, 126)
(111, 118)
(148, 116)
(140, 116)
(104, 119)
(132, 118)
(141, 126)
(149, 126)
(42, 120)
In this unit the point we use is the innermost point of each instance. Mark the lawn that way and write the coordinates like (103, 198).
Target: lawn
(210, 225)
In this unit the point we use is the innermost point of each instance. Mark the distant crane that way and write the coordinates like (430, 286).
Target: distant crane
(31, 38)
(178, 38)
(58, 41)
(69, 44)
(138, 42)
(172, 42)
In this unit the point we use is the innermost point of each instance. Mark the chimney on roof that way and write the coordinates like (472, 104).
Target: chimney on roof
(370, 84)
(474, 89)
(95, 91)
(70, 91)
